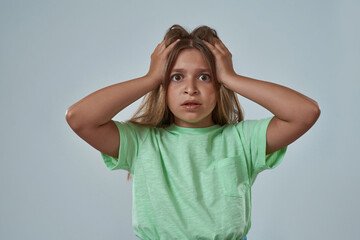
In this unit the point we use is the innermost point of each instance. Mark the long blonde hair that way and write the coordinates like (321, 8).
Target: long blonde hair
(227, 110)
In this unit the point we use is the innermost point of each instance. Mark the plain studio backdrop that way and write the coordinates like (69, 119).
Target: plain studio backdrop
(54, 185)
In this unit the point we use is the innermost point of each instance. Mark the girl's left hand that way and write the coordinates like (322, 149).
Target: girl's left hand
(223, 60)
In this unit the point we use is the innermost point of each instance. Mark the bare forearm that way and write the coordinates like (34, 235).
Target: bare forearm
(283, 102)
(102, 105)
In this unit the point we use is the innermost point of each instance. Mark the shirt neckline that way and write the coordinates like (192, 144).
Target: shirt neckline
(174, 127)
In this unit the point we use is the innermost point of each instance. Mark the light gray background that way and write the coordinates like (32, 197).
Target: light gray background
(53, 53)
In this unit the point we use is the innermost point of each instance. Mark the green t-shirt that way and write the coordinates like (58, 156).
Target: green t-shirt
(193, 183)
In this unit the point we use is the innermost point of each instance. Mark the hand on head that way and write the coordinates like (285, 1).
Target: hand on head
(223, 60)
(158, 61)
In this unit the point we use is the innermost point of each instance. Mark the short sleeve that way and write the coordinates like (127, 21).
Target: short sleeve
(253, 136)
(131, 137)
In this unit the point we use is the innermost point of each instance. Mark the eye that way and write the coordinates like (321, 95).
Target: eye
(175, 75)
(205, 79)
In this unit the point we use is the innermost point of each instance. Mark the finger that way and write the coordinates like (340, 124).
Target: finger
(171, 46)
(223, 46)
(162, 44)
(159, 45)
(218, 44)
(209, 45)
(160, 48)
(213, 49)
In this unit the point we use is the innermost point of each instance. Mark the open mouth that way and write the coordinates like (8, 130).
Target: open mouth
(191, 106)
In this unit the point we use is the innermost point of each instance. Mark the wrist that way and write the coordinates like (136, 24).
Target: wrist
(154, 81)
(226, 81)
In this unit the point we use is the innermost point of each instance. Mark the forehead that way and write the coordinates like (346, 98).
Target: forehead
(191, 59)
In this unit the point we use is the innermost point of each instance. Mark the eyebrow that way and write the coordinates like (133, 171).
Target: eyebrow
(196, 70)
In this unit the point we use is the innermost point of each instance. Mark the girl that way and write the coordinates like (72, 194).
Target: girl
(192, 156)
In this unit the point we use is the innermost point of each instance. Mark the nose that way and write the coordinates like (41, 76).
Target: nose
(190, 88)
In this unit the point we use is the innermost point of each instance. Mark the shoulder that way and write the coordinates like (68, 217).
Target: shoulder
(136, 125)
(133, 129)
(247, 129)
(251, 124)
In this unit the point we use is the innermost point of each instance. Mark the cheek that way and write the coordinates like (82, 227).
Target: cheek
(170, 97)
(212, 95)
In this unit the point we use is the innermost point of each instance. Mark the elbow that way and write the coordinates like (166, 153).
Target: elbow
(70, 117)
(317, 110)
(313, 114)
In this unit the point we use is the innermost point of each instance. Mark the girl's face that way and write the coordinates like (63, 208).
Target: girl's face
(191, 80)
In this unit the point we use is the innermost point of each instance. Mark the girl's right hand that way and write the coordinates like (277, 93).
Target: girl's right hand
(158, 61)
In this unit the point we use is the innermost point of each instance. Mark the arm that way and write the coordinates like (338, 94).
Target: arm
(90, 118)
(101, 106)
(294, 113)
